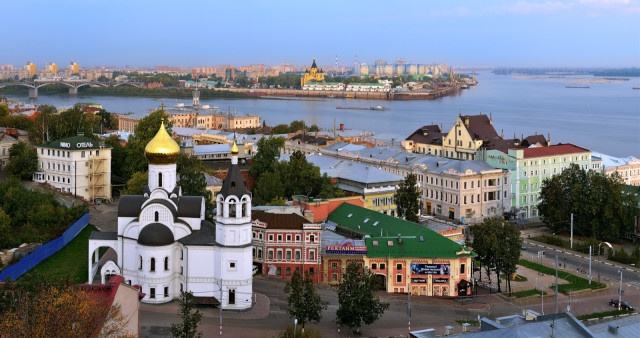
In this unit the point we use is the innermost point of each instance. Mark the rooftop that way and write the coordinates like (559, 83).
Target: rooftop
(558, 149)
(75, 143)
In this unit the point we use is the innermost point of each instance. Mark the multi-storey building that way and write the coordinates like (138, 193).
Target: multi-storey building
(8, 137)
(468, 134)
(465, 191)
(323, 86)
(628, 168)
(530, 167)
(74, 68)
(404, 256)
(30, 68)
(52, 68)
(285, 242)
(368, 87)
(77, 165)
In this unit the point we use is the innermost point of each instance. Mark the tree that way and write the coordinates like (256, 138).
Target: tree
(600, 207)
(498, 246)
(280, 129)
(146, 129)
(267, 155)
(304, 302)
(297, 125)
(118, 156)
(407, 199)
(23, 161)
(36, 309)
(314, 128)
(188, 327)
(268, 188)
(357, 302)
(193, 183)
(135, 185)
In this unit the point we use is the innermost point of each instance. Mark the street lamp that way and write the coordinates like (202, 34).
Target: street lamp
(295, 327)
(599, 259)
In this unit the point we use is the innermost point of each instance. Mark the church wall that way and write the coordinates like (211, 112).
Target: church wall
(168, 172)
(201, 261)
(122, 223)
(148, 215)
(194, 223)
(160, 277)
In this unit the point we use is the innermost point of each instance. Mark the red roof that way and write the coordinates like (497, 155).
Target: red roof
(558, 149)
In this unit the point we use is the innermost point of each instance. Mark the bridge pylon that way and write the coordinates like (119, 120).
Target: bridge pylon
(33, 93)
(73, 90)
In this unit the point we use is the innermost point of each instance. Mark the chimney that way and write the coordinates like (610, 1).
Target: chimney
(548, 139)
(502, 133)
(613, 328)
(466, 122)
(341, 126)
(490, 118)
(308, 214)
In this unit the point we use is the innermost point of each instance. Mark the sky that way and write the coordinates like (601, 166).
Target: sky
(574, 33)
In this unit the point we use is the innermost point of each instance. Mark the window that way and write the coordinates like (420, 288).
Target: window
(288, 238)
(287, 271)
(82, 155)
(297, 238)
(140, 267)
(297, 255)
(270, 237)
(232, 265)
(312, 254)
(279, 238)
(166, 291)
(159, 179)
(153, 264)
(279, 254)
(334, 277)
(181, 254)
(181, 287)
(288, 254)
(382, 266)
(398, 278)
(270, 254)
(334, 265)
(182, 270)
(166, 263)
(157, 216)
(312, 238)
(152, 291)
(374, 266)
(399, 266)
(462, 269)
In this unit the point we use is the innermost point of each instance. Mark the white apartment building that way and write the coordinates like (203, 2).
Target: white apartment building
(77, 165)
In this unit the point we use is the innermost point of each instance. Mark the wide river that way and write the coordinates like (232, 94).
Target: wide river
(604, 117)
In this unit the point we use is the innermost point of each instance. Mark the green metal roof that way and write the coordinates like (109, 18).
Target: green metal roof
(384, 229)
(75, 143)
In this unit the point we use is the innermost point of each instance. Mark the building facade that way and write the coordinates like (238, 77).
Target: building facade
(368, 87)
(165, 245)
(77, 165)
(323, 86)
(627, 168)
(285, 242)
(531, 166)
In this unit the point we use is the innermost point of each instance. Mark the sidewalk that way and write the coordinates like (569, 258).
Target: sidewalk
(260, 310)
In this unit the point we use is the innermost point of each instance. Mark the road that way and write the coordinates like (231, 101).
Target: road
(609, 272)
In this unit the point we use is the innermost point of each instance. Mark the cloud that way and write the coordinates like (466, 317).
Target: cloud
(450, 13)
(527, 8)
(604, 2)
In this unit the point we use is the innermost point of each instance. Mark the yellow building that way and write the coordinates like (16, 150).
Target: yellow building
(52, 68)
(31, 68)
(74, 68)
(313, 74)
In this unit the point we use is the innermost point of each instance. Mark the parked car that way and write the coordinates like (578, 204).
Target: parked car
(255, 269)
(624, 305)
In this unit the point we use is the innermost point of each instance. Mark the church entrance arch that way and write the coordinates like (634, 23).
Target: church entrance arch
(99, 255)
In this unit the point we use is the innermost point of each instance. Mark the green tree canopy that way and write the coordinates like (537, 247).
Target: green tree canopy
(135, 185)
(118, 156)
(266, 158)
(146, 129)
(23, 161)
(407, 199)
(188, 325)
(600, 207)
(304, 302)
(357, 302)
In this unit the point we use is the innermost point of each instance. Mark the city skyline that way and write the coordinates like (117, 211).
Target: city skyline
(582, 33)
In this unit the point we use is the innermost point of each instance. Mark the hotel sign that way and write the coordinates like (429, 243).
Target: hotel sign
(78, 145)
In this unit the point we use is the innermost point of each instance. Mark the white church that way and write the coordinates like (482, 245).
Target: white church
(165, 245)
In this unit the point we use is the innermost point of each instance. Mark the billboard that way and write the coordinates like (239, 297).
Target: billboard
(430, 269)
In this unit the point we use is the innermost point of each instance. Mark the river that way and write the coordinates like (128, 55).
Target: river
(604, 117)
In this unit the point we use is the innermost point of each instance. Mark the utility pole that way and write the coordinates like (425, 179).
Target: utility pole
(620, 292)
(409, 304)
(571, 231)
(557, 300)
(589, 264)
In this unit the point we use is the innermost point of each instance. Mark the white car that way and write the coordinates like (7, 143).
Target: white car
(255, 269)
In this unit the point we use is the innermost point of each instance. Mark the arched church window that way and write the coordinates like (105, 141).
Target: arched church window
(245, 212)
(157, 216)
(140, 267)
(159, 179)
(232, 209)
(166, 263)
(153, 264)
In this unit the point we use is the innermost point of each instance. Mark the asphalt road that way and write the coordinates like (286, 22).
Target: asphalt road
(609, 272)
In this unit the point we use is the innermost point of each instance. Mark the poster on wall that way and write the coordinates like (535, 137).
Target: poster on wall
(430, 269)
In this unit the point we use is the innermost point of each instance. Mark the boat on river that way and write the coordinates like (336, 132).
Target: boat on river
(378, 107)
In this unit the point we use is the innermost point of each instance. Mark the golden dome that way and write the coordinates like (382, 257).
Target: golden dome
(162, 149)
(234, 149)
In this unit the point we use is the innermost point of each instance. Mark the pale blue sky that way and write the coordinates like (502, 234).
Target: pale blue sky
(198, 33)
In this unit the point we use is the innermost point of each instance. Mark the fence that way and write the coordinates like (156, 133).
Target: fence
(28, 262)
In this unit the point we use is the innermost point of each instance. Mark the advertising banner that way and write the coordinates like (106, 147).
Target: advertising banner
(346, 249)
(441, 280)
(430, 269)
(419, 280)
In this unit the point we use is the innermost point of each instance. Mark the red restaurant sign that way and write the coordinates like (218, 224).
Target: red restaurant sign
(346, 249)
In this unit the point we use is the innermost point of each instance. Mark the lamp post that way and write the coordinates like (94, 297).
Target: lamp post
(295, 327)
(620, 292)
(599, 259)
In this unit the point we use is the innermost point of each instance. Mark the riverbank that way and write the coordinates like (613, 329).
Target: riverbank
(130, 91)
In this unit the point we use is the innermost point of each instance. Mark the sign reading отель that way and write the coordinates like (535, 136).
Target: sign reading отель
(78, 145)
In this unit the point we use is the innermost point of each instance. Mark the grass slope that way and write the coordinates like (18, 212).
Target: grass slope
(70, 263)
(575, 283)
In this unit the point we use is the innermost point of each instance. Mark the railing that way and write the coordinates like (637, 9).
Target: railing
(28, 262)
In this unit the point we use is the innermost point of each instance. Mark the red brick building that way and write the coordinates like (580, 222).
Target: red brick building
(319, 209)
(284, 243)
